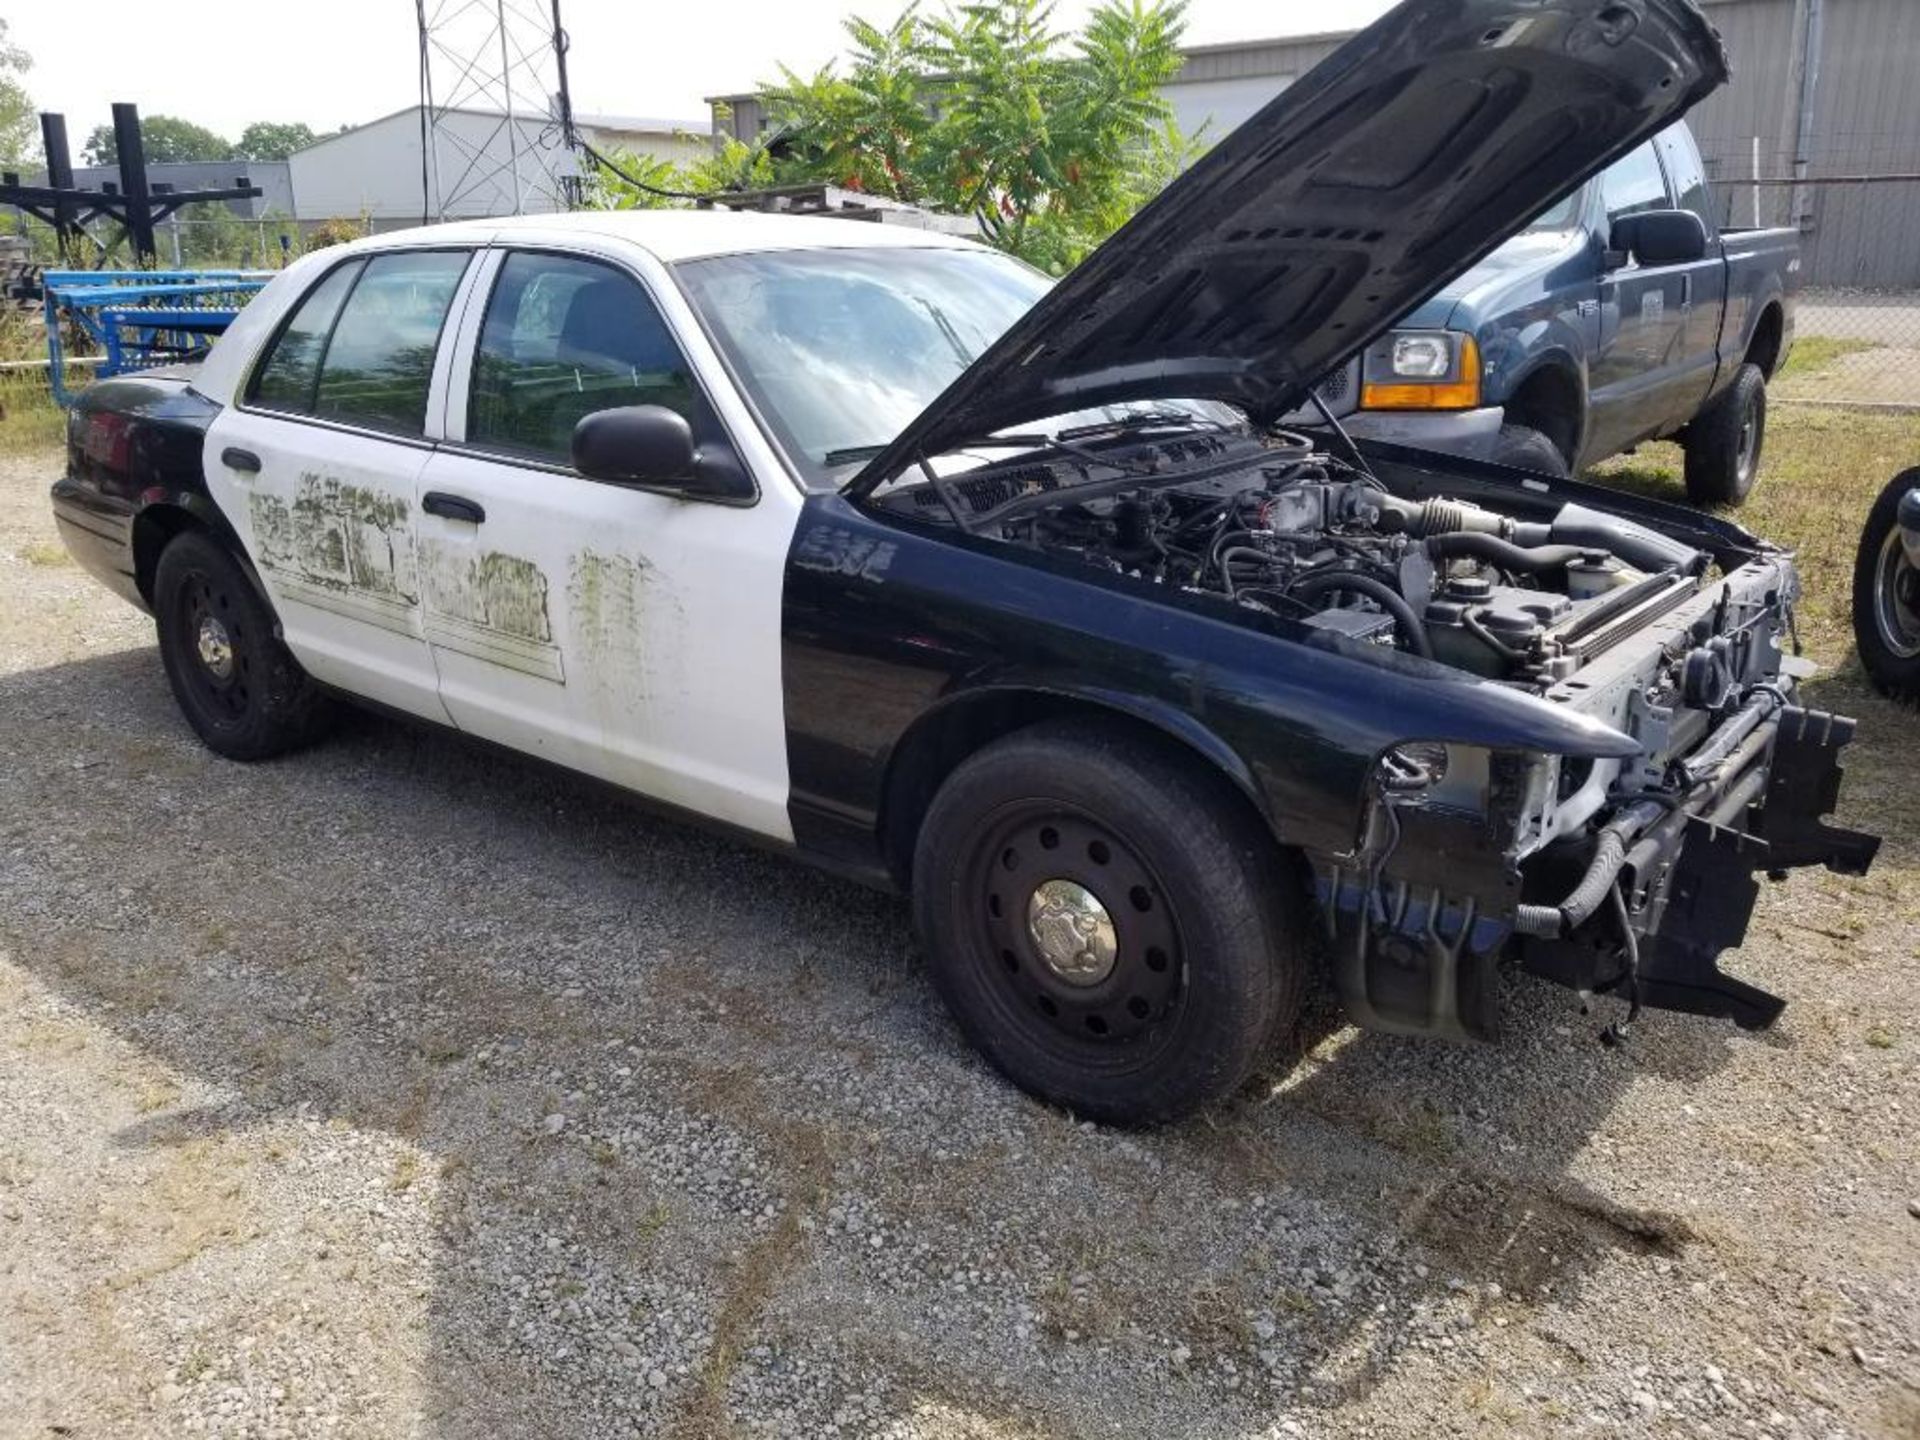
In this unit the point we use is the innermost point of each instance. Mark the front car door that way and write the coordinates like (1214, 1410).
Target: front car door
(1707, 299)
(316, 464)
(630, 635)
(1634, 374)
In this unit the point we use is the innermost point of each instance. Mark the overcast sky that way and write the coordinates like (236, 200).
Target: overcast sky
(224, 63)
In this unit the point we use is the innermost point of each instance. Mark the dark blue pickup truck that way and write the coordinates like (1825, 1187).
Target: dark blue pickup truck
(1622, 314)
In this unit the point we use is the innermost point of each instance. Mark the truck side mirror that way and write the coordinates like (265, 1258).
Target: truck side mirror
(1660, 237)
(652, 448)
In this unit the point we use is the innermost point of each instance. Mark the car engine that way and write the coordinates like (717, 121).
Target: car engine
(1309, 536)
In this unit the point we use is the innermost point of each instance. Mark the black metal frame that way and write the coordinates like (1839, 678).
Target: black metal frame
(136, 205)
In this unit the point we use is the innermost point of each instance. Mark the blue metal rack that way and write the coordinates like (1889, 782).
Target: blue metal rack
(142, 318)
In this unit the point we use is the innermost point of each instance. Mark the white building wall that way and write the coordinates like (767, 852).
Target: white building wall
(1220, 105)
(375, 170)
(681, 147)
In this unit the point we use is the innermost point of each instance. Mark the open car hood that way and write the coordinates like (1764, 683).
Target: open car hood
(1391, 167)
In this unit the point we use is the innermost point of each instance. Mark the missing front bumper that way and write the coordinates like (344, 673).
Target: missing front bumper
(1691, 883)
(1415, 949)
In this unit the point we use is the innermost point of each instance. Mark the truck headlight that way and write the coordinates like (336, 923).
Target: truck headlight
(1421, 370)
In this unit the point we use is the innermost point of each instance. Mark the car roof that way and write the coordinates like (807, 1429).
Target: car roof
(671, 235)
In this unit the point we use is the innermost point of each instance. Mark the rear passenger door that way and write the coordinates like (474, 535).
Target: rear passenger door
(1634, 375)
(316, 464)
(629, 635)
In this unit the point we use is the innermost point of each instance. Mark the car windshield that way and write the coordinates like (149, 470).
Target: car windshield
(840, 349)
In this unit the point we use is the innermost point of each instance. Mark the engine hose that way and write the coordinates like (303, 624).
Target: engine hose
(1328, 582)
(1640, 547)
(1550, 922)
(1525, 559)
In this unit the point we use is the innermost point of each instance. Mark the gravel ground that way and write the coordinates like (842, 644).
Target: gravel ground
(401, 1088)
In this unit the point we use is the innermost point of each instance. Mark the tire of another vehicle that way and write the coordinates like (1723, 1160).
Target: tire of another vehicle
(1163, 996)
(239, 687)
(1886, 598)
(1525, 448)
(1725, 441)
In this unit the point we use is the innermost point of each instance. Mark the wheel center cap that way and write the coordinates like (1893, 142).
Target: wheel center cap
(215, 647)
(1072, 932)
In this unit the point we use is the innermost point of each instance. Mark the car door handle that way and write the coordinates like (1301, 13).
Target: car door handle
(234, 458)
(453, 507)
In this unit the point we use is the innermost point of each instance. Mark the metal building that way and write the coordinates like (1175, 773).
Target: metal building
(276, 188)
(487, 165)
(1826, 92)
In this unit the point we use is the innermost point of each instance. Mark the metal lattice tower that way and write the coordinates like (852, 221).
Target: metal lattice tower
(495, 132)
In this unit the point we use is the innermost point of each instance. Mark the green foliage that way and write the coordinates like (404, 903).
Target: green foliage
(987, 110)
(337, 231)
(272, 140)
(19, 126)
(165, 138)
(867, 131)
(1049, 141)
(664, 185)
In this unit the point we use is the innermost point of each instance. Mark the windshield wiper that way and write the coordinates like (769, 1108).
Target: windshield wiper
(1140, 420)
(1061, 440)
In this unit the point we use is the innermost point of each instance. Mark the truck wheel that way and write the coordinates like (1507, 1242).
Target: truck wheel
(1525, 448)
(239, 687)
(1886, 598)
(1105, 922)
(1724, 441)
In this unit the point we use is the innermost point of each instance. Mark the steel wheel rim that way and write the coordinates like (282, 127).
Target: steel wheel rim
(1896, 598)
(1749, 447)
(213, 639)
(1109, 1010)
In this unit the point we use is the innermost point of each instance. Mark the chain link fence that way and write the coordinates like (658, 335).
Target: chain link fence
(1820, 130)
(1856, 204)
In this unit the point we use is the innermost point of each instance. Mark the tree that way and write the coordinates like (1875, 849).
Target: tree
(164, 138)
(1049, 141)
(19, 129)
(271, 140)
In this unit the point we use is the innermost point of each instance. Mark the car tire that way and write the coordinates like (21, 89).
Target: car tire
(1886, 598)
(240, 688)
(1189, 962)
(1525, 448)
(1724, 441)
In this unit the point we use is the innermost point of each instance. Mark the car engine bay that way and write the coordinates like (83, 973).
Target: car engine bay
(1304, 534)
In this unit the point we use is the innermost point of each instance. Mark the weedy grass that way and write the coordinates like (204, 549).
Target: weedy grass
(1820, 473)
(1814, 353)
(29, 418)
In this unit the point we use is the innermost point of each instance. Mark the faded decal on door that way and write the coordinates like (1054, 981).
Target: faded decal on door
(609, 601)
(339, 547)
(490, 605)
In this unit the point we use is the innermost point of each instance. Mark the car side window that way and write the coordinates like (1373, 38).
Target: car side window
(379, 363)
(1688, 174)
(564, 337)
(360, 347)
(1634, 183)
(286, 380)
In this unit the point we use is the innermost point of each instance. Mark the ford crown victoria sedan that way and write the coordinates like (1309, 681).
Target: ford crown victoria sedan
(870, 544)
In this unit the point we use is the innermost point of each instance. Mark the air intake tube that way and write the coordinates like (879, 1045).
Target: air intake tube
(1574, 525)
(1640, 547)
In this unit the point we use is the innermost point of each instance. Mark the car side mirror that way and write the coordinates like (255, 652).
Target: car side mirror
(1660, 237)
(652, 448)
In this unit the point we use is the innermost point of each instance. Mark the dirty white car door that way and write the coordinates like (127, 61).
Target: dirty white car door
(630, 635)
(316, 463)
